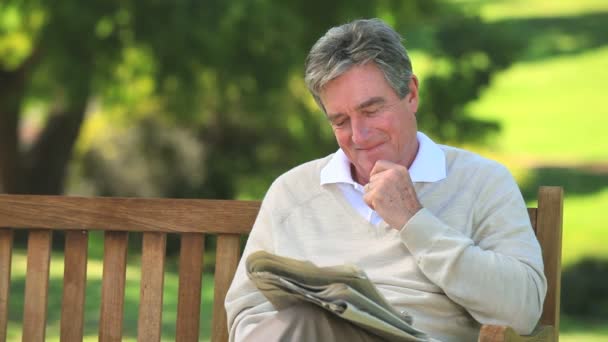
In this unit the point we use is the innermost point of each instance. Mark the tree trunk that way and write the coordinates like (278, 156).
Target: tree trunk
(11, 96)
(47, 161)
(43, 168)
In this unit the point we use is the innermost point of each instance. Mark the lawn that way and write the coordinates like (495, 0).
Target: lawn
(492, 10)
(550, 109)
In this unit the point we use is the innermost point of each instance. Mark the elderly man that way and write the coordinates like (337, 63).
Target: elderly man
(443, 233)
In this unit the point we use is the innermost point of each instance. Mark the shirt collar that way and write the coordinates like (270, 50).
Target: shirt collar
(428, 166)
(337, 170)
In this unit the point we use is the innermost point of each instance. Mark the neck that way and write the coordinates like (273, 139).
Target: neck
(357, 177)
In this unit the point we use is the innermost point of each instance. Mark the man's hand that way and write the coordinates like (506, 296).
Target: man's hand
(391, 194)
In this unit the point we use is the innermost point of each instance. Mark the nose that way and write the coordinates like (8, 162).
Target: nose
(360, 132)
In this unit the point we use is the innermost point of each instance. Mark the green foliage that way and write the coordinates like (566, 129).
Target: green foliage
(146, 160)
(229, 73)
(18, 24)
(469, 53)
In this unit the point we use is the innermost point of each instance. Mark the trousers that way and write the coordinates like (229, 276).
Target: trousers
(307, 322)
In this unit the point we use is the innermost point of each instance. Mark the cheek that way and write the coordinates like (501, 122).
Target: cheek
(397, 129)
(342, 137)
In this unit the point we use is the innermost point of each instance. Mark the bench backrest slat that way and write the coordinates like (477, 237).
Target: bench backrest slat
(190, 285)
(6, 248)
(227, 259)
(549, 234)
(113, 286)
(36, 284)
(532, 214)
(151, 288)
(74, 285)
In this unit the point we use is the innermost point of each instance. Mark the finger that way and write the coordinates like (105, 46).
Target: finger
(367, 198)
(381, 166)
(367, 187)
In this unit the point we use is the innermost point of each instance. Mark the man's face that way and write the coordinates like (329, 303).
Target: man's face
(369, 119)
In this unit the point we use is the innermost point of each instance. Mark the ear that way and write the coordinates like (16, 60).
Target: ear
(412, 96)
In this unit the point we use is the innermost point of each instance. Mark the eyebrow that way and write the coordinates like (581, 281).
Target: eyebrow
(370, 102)
(367, 103)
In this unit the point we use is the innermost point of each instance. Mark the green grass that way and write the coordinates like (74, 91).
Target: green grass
(492, 10)
(585, 233)
(552, 110)
(576, 330)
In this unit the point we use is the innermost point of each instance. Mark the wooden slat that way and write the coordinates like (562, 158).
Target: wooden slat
(74, 285)
(227, 259)
(189, 293)
(532, 214)
(36, 285)
(113, 286)
(6, 248)
(128, 214)
(549, 234)
(151, 288)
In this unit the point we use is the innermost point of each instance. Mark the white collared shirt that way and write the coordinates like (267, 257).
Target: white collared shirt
(428, 166)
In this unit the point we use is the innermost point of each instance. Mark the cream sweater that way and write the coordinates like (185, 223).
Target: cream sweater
(469, 257)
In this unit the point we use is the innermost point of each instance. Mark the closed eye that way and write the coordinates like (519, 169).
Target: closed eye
(338, 119)
(339, 122)
(372, 106)
(372, 110)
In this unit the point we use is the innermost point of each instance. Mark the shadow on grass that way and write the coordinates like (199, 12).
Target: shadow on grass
(575, 181)
(539, 37)
(584, 293)
(554, 36)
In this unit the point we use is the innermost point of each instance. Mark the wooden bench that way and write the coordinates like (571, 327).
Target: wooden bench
(155, 218)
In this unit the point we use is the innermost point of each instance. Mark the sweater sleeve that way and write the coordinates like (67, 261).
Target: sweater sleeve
(245, 305)
(497, 273)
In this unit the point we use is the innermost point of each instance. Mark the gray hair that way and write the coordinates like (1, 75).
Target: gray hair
(357, 43)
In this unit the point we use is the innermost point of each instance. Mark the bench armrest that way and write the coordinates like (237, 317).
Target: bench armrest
(499, 333)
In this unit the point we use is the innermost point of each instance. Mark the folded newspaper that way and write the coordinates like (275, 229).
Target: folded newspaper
(344, 290)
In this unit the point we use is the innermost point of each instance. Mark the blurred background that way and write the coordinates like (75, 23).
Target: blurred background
(206, 99)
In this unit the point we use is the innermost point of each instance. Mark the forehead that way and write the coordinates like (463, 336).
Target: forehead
(356, 86)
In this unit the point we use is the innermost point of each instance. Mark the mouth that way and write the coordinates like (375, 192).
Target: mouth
(371, 148)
